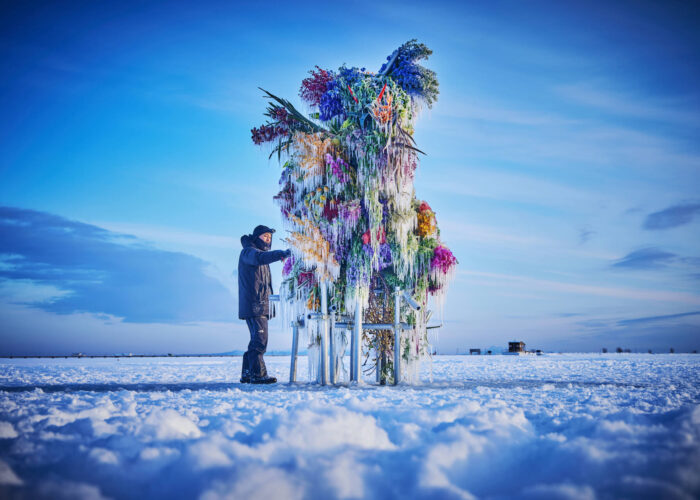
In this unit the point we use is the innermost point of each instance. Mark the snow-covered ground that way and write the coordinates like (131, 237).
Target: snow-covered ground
(553, 426)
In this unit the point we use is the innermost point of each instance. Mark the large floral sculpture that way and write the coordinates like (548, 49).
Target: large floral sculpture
(348, 202)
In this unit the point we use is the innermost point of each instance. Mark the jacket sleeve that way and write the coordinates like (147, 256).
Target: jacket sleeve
(255, 257)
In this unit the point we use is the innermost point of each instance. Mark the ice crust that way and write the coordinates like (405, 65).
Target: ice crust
(571, 426)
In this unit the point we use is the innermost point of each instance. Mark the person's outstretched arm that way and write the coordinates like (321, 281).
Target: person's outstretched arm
(255, 257)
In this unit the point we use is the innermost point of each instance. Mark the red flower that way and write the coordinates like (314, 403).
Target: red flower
(313, 87)
(267, 133)
(352, 94)
(424, 206)
(330, 210)
(381, 93)
(306, 278)
(381, 236)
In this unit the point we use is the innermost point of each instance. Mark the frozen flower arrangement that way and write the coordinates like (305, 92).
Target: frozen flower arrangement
(346, 192)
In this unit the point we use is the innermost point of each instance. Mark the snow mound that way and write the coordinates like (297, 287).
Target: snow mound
(163, 425)
(545, 427)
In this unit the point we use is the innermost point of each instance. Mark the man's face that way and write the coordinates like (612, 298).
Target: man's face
(266, 237)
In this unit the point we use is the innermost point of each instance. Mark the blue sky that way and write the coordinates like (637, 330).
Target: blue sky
(563, 164)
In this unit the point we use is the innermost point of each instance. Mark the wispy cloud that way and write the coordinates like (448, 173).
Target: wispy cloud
(512, 237)
(483, 182)
(646, 258)
(585, 234)
(674, 216)
(529, 283)
(636, 106)
(165, 234)
(566, 137)
(654, 319)
(480, 233)
(495, 113)
(96, 270)
(24, 291)
(39, 332)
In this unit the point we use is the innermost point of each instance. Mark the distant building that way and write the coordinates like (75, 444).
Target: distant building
(474, 351)
(516, 346)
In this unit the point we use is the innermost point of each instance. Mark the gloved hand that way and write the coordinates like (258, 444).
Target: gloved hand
(287, 253)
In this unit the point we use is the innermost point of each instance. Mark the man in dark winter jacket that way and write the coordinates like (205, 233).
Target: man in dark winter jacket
(254, 289)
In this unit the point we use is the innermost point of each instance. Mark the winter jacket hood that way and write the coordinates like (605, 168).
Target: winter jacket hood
(248, 240)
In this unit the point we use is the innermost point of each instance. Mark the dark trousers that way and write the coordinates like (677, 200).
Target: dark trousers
(253, 361)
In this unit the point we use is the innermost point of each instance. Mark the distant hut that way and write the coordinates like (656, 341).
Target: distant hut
(516, 346)
(474, 351)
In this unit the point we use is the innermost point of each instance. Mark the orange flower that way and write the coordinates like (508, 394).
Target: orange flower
(382, 112)
(426, 223)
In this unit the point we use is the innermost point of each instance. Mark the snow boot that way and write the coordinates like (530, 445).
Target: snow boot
(263, 380)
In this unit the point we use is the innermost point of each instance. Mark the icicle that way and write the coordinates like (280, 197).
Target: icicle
(351, 295)
(340, 343)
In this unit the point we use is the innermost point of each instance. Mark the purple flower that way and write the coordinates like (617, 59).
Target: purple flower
(350, 212)
(288, 265)
(357, 275)
(338, 168)
(443, 259)
(384, 257)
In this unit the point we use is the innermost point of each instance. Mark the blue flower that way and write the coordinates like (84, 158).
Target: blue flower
(331, 103)
(413, 78)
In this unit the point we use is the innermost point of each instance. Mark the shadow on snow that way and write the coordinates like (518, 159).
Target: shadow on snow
(305, 386)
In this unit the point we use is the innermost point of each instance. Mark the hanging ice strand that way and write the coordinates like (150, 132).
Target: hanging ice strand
(347, 198)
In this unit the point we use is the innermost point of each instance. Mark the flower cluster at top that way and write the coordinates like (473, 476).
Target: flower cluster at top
(411, 76)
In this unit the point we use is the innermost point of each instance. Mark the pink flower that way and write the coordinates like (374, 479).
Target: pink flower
(443, 259)
(381, 236)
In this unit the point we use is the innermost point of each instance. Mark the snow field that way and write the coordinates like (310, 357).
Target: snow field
(577, 426)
